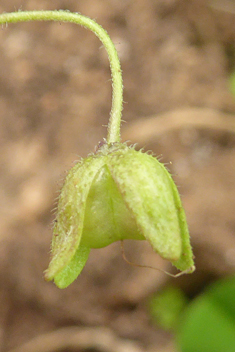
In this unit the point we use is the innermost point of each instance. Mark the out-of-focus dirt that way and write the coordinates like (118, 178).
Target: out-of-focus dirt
(55, 96)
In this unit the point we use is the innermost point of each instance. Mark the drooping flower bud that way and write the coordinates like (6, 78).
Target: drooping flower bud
(118, 193)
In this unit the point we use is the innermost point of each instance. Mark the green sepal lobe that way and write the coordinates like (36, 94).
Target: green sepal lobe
(70, 215)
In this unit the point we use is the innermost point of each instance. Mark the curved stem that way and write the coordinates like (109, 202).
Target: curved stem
(66, 16)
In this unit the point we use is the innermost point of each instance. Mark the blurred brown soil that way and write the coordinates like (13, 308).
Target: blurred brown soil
(55, 96)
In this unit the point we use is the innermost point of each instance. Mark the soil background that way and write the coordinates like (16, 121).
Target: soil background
(177, 58)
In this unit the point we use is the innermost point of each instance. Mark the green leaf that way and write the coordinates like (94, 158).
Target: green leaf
(166, 306)
(208, 324)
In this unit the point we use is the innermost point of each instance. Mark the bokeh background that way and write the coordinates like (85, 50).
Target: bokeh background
(178, 58)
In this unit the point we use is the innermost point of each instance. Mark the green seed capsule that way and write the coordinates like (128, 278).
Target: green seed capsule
(118, 193)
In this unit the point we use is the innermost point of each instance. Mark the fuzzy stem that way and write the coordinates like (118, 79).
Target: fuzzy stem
(66, 16)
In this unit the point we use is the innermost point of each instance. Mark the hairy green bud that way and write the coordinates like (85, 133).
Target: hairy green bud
(118, 193)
